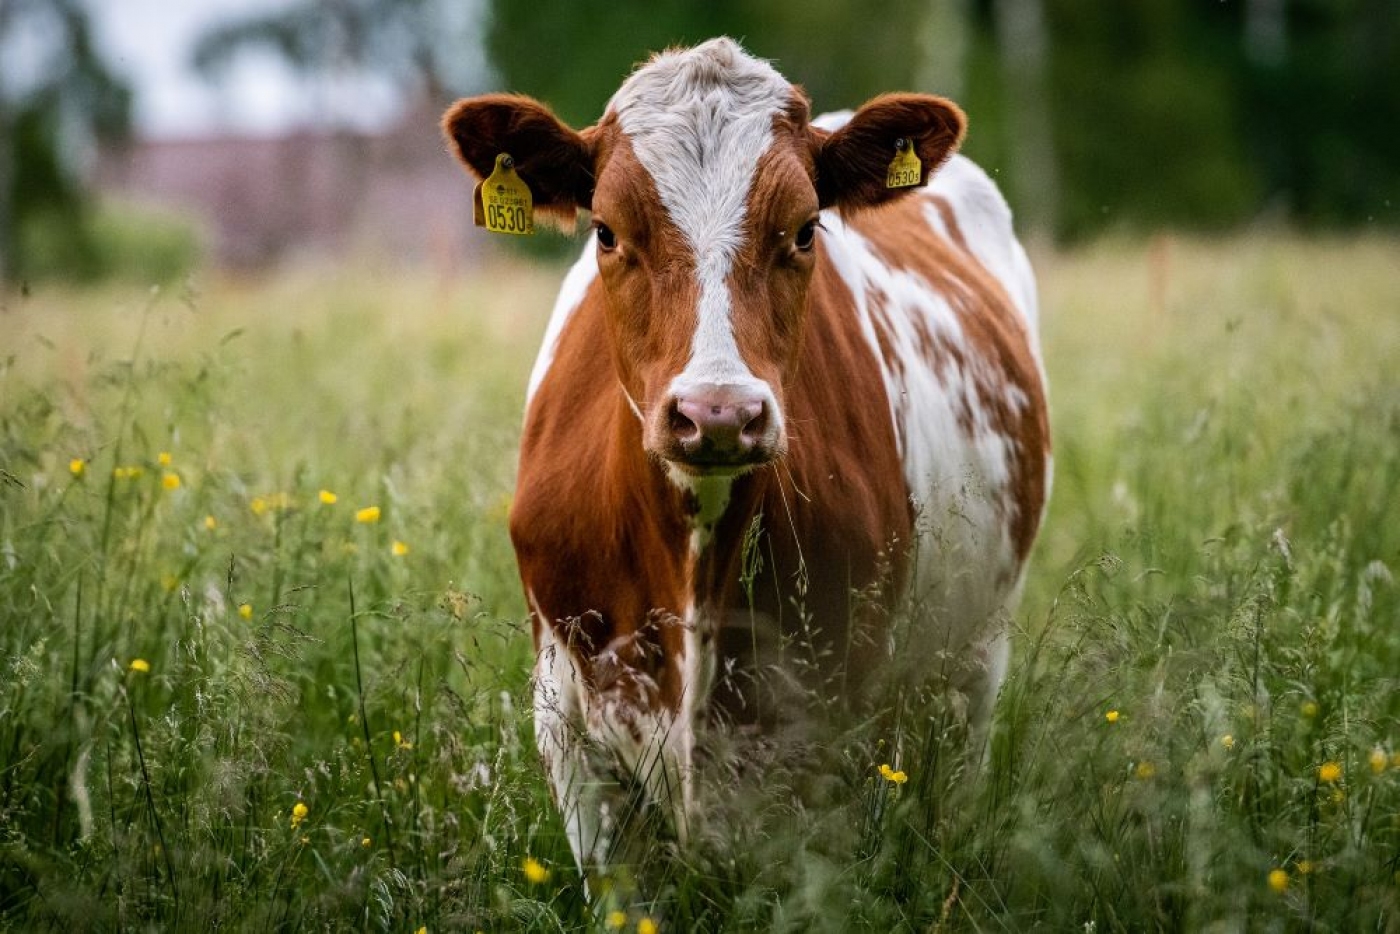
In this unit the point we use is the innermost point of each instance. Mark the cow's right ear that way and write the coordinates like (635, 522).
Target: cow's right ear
(554, 160)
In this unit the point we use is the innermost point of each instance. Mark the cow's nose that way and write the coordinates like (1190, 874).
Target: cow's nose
(719, 426)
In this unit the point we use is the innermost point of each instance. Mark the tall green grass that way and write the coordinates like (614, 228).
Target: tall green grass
(331, 726)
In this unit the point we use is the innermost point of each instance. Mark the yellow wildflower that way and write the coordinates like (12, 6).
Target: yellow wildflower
(76, 466)
(1305, 867)
(211, 523)
(422, 930)
(1329, 772)
(164, 459)
(1278, 881)
(400, 742)
(1378, 760)
(616, 920)
(399, 549)
(535, 872)
(1111, 716)
(126, 473)
(299, 812)
(1145, 770)
(1308, 709)
(245, 610)
(1227, 741)
(258, 505)
(366, 842)
(368, 514)
(140, 665)
(170, 480)
(890, 775)
(646, 926)
(327, 497)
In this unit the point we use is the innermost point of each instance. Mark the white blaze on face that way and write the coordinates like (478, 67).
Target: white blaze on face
(699, 120)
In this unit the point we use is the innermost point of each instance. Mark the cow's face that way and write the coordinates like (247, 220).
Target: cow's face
(705, 181)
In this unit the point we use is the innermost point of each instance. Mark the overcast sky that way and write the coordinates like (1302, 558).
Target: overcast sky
(151, 41)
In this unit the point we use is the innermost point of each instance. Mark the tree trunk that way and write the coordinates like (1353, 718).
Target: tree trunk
(1023, 48)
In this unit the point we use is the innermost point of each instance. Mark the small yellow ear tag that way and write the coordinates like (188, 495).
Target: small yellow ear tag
(905, 170)
(503, 201)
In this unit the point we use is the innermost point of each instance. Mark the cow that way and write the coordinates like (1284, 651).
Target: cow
(779, 389)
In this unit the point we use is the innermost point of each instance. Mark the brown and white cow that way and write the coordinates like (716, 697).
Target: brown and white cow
(760, 335)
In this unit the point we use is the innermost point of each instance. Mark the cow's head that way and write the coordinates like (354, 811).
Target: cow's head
(705, 179)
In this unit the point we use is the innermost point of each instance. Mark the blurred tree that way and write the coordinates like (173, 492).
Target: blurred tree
(421, 47)
(575, 53)
(57, 97)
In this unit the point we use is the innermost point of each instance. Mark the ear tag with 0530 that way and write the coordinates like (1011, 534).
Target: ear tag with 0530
(905, 169)
(503, 203)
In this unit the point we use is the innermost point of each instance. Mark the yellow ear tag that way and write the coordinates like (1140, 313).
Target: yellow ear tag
(905, 170)
(503, 201)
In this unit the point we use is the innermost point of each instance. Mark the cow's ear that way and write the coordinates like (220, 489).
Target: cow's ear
(555, 161)
(853, 163)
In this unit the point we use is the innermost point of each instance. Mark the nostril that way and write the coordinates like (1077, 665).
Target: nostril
(753, 422)
(682, 427)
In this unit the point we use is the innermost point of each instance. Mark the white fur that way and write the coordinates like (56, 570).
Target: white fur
(699, 120)
(560, 704)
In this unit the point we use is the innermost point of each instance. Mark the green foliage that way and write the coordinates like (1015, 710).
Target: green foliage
(1217, 570)
(111, 243)
(46, 120)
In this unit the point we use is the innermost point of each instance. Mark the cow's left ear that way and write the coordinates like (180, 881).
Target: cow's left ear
(853, 162)
(555, 161)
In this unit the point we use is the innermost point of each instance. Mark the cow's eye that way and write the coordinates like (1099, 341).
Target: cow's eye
(806, 237)
(607, 240)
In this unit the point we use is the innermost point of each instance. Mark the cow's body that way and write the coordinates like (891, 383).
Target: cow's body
(896, 454)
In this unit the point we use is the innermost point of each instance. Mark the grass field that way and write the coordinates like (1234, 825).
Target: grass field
(263, 661)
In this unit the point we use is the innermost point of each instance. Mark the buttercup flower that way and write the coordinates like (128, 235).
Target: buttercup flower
(164, 459)
(299, 812)
(245, 610)
(139, 665)
(1329, 772)
(368, 514)
(890, 775)
(211, 523)
(616, 920)
(646, 926)
(1378, 760)
(1305, 867)
(399, 549)
(1227, 741)
(1278, 881)
(1111, 716)
(535, 872)
(1308, 709)
(1145, 770)
(76, 466)
(327, 497)
(170, 480)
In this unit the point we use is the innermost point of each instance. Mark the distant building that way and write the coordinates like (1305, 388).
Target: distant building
(312, 193)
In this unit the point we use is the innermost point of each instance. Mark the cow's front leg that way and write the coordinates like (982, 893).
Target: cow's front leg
(588, 797)
(616, 753)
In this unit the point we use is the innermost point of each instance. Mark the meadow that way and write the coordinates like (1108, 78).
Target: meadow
(264, 662)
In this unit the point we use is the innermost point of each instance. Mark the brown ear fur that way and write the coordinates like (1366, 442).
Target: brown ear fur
(553, 160)
(852, 162)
